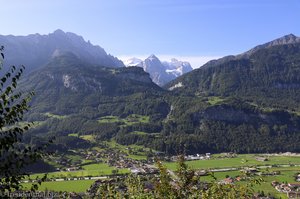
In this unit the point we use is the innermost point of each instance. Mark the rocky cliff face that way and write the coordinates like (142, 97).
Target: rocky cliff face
(68, 72)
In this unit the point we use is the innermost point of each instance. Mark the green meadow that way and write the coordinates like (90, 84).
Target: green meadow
(244, 160)
(129, 120)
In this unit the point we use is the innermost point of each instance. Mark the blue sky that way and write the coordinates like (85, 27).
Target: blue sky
(194, 30)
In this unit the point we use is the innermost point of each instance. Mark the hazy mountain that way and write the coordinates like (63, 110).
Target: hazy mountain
(161, 72)
(35, 50)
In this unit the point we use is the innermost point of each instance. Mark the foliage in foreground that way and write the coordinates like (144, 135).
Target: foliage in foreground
(14, 154)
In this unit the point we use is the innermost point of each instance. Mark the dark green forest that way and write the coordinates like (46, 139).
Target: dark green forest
(247, 104)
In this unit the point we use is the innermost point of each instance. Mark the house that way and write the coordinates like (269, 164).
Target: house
(293, 195)
(227, 181)
(274, 183)
(137, 170)
(72, 169)
(250, 170)
(294, 185)
(238, 178)
(298, 178)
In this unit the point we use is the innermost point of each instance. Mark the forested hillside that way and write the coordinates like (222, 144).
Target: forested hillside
(267, 76)
(245, 104)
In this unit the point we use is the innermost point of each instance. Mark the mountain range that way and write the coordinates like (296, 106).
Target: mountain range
(248, 103)
(161, 72)
(36, 50)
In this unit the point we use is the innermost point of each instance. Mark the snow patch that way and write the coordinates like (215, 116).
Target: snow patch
(178, 85)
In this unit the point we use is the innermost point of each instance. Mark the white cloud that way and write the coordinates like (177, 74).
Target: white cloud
(195, 61)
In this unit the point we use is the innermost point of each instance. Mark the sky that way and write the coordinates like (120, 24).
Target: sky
(190, 30)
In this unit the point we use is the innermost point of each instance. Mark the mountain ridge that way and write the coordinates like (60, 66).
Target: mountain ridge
(269, 70)
(286, 39)
(35, 50)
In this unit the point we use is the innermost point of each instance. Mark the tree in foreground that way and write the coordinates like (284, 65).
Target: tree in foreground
(14, 154)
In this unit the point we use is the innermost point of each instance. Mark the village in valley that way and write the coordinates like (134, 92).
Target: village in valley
(112, 164)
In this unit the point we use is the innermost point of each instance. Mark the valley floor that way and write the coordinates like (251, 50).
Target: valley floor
(226, 168)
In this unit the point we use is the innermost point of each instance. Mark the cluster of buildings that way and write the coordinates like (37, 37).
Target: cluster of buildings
(94, 155)
(291, 189)
(144, 169)
(193, 157)
(135, 166)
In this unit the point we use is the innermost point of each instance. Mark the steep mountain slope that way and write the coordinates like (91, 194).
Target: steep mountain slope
(36, 50)
(160, 72)
(267, 74)
(66, 79)
(72, 95)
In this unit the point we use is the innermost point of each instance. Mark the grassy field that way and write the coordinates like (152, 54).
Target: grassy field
(90, 138)
(129, 120)
(56, 116)
(286, 175)
(139, 133)
(103, 168)
(215, 100)
(139, 151)
(244, 160)
(69, 186)
(220, 175)
(98, 169)
(109, 119)
(73, 134)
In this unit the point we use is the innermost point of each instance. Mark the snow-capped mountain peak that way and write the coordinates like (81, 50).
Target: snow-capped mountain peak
(133, 62)
(152, 57)
(161, 72)
(177, 67)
